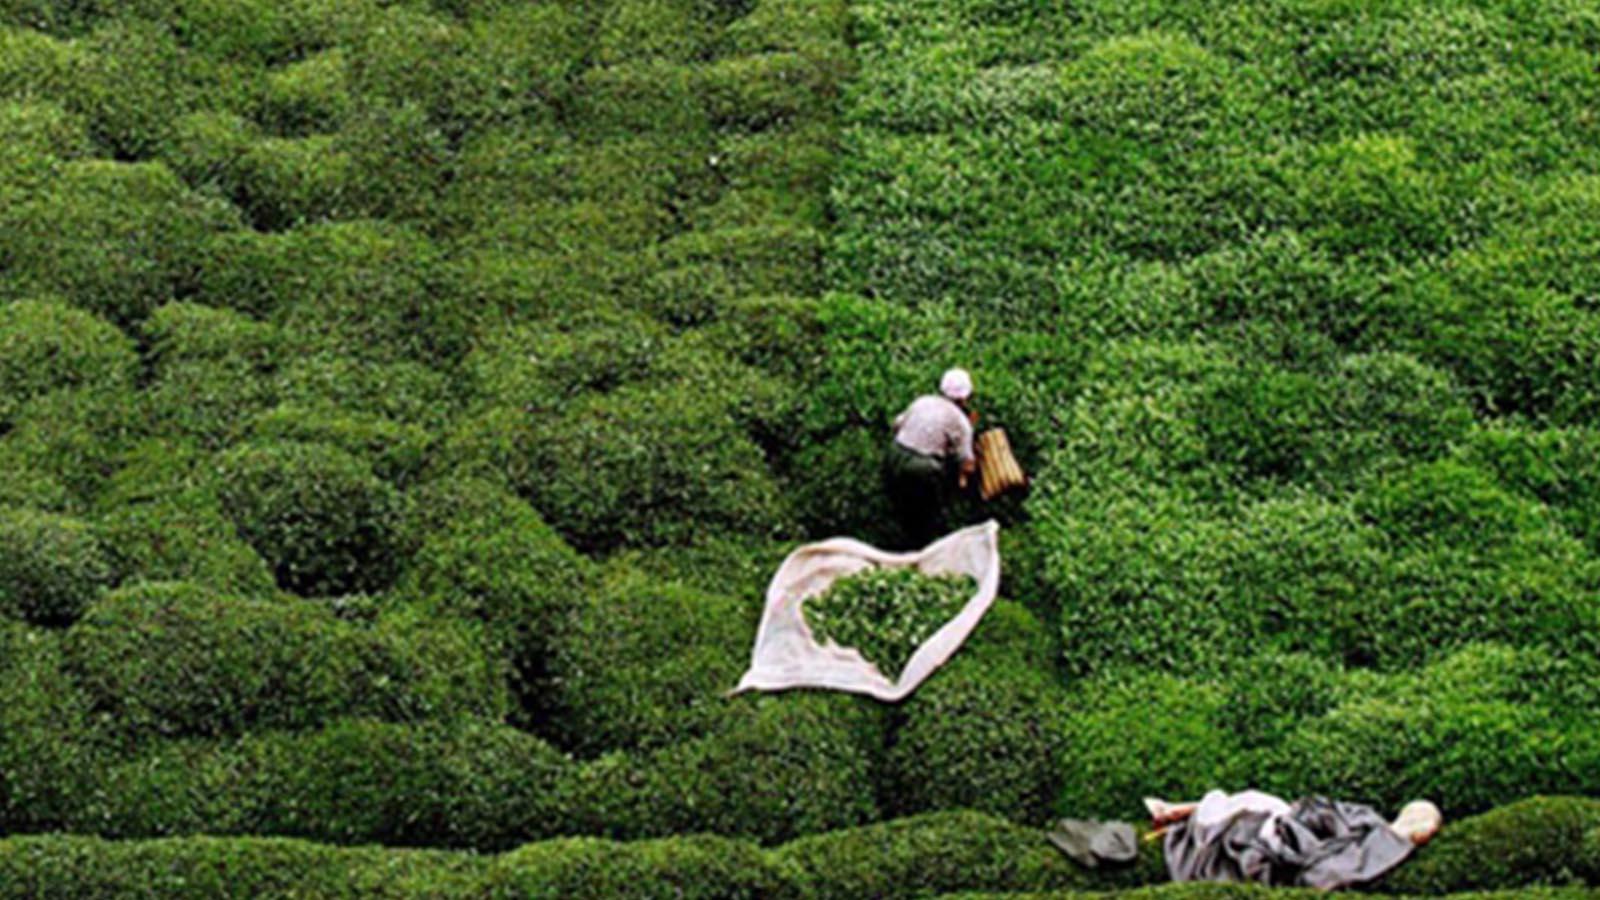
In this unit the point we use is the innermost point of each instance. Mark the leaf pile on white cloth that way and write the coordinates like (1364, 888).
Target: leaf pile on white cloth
(786, 655)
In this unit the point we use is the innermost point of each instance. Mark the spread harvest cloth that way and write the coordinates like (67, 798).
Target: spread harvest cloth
(1252, 836)
(787, 656)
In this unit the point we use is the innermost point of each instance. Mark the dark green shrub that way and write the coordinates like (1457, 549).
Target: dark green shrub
(51, 566)
(780, 335)
(643, 664)
(932, 854)
(1466, 756)
(1153, 87)
(730, 565)
(259, 34)
(46, 345)
(72, 436)
(212, 372)
(132, 84)
(650, 465)
(47, 755)
(629, 99)
(72, 867)
(310, 96)
(643, 30)
(780, 767)
(520, 62)
(396, 162)
(699, 867)
(477, 551)
(159, 522)
(185, 332)
(769, 90)
(1552, 465)
(1541, 840)
(34, 64)
(466, 783)
(544, 365)
(118, 240)
(36, 132)
(176, 660)
(771, 259)
(1474, 562)
(318, 516)
(394, 450)
(978, 735)
(1268, 695)
(359, 287)
(404, 391)
(22, 485)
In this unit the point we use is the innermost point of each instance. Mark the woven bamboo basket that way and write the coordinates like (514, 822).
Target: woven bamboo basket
(998, 470)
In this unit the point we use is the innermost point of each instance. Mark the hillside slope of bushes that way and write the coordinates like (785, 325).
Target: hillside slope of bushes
(404, 402)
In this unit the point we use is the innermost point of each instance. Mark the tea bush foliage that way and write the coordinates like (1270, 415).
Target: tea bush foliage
(403, 406)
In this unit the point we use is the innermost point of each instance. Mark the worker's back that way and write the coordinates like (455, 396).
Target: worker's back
(936, 426)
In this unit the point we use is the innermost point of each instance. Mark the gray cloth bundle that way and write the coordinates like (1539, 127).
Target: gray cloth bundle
(1315, 842)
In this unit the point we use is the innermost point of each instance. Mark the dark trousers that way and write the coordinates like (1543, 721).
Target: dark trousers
(919, 489)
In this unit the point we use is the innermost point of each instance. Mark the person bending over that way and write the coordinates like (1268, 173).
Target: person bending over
(930, 456)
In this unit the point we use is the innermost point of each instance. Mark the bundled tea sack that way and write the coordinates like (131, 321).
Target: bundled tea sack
(788, 654)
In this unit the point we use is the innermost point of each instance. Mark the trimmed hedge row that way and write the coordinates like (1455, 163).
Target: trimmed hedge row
(178, 660)
(917, 857)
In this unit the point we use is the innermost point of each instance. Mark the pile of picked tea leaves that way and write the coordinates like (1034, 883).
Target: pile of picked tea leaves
(886, 614)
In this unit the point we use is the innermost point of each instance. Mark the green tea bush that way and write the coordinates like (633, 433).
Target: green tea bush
(695, 867)
(47, 747)
(73, 436)
(368, 288)
(115, 239)
(769, 90)
(396, 162)
(644, 30)
(978, 735)
(543, 366)
(394, 450)
(319, 517)
(1547, 464)
(211, 371)
(1541, 840)
(159, 521)
(1473, 562)
(476, 551)
(645, 465)
(51, 566)
(178, 660)
(781, 767)
(463, 783)
(643, 664)
(649, 97)
(939, 852)
(1145, 734)
(1467, 756)
(133, 82)
(62, 866)
(310, 96)
(45, 345)
(36, 133)
(404, 391)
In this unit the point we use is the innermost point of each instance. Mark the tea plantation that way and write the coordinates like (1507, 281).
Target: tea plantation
(403, 404)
